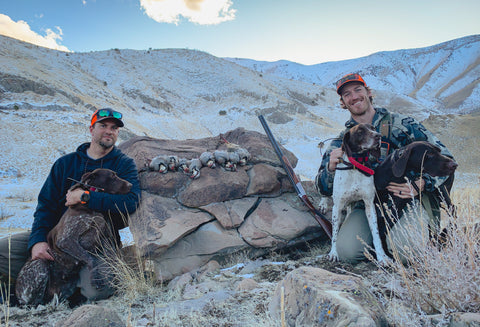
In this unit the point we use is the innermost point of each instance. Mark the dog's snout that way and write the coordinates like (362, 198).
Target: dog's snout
(452, 165)
(125, 187)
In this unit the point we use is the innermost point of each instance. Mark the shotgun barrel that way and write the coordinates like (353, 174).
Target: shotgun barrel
(319, 217)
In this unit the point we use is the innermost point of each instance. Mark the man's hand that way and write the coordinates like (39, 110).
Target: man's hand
(405, 190)
(41, 250)
(335, 158)
(74, 197)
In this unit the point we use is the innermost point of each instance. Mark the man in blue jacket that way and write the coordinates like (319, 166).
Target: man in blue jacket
(55, 197)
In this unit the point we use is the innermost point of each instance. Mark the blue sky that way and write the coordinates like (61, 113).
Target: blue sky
(304, 31)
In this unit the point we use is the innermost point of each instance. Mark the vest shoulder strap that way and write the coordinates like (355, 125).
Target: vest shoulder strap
(386, 126)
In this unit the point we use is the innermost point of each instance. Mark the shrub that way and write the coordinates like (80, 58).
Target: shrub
(439, 276)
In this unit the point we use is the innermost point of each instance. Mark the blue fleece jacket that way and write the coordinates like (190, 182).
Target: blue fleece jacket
(115, 207)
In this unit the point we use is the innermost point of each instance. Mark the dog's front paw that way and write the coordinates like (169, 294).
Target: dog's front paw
(325, 204)
(333, 256)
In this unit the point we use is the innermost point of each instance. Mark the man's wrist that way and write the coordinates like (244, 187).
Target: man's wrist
(85, 197)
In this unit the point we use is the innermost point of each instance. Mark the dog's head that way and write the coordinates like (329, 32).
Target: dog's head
(108, 180)
(421, 156)
(362, 138)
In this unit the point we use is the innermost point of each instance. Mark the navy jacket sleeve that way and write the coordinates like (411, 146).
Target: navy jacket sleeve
(324, 178)
(50, 206)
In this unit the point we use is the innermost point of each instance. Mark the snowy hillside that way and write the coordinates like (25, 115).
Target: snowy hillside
(47, 97)
(444, 78)
(179, 93)
(170, 93)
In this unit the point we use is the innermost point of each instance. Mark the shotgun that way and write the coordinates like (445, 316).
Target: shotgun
(319, 217)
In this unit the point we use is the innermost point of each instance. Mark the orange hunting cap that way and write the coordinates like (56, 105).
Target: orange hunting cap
(107, 113)
(348, 79)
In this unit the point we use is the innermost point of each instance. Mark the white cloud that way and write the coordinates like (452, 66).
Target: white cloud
(21, 30)
(204, 12)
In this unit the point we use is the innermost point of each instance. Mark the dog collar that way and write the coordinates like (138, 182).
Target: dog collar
(363, 169)
(360, 158)
(89, 187)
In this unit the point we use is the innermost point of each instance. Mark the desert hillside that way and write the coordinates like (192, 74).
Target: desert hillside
(47, 96)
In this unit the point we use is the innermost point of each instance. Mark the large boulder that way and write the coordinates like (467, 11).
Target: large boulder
(310, 296)
(93, 315)
(182, 222)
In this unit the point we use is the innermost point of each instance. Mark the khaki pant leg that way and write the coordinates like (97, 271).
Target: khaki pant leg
(355, 226)
(411, 228)
(433, 211)
(13, 254)
(410, 232)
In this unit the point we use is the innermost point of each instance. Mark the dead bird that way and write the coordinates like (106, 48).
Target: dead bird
(232, 161)
(243, 153)
(208, 159)
(183, 165)
(172, 163)
(194, 168)
(160, 164)
(221, 157)
(244, 156)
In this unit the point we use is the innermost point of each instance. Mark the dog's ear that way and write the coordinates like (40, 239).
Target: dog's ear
(88, 177)
(345, 144)
(400, 165)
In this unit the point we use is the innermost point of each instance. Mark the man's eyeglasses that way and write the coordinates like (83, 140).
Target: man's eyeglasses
(106, 113)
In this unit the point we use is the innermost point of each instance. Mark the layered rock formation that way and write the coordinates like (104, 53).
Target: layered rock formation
(182, 222)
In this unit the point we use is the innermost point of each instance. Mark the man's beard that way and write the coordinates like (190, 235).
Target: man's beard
(106, 145)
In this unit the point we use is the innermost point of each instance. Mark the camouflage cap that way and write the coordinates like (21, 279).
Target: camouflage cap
(347, 79)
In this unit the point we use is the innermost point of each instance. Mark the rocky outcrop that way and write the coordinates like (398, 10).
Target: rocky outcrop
(182, 222)
(93, 315)
(310, 296)
(18, 84)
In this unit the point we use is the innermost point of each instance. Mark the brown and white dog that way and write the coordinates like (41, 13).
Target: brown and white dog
(354, 182)
(73, 242)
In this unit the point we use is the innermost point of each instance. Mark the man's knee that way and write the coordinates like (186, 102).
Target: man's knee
(350, 254)
(354, 235)
(13, 253)
(88, 289)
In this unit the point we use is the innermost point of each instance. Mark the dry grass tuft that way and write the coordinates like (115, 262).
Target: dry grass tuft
(438, 277)
(132, 276)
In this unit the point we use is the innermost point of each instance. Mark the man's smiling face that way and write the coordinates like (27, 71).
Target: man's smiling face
(356, 98)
